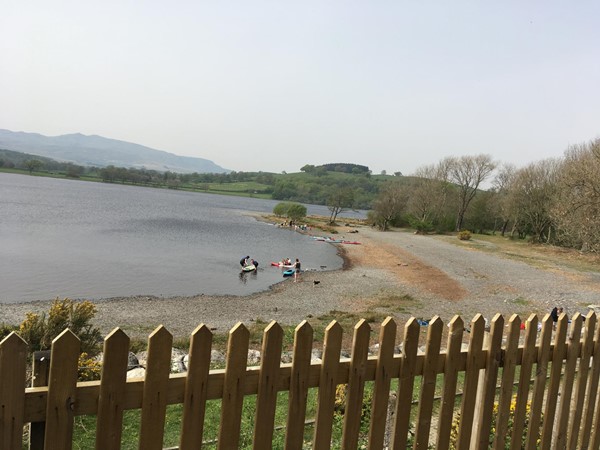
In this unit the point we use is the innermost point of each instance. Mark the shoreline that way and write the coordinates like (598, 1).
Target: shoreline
(394, 273)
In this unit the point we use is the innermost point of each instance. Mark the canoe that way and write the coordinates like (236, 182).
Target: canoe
(283, 266)
(249, 268)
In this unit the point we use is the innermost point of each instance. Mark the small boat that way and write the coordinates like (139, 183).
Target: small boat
(288, 273)
(249, 268)
(282, 265)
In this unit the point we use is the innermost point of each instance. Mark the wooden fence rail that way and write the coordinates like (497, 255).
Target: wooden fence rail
(560, 409)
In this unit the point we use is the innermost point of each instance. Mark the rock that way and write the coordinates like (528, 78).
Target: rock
(217, 357)
(138, 372)
(316, 355)
(253, 357)
(132, 361)
(287, 357)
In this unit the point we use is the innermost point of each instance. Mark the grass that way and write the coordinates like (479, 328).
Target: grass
(538, 255)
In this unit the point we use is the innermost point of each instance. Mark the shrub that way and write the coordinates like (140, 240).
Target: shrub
(5, 330)
(39, 330)
(511, 420)
(464, 235)
(89, 369)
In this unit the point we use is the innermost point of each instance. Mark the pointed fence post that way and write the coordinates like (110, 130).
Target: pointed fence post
(13, 357)
(429, 378)
(196, 385)
(62, 391)
(233, 393)
(154, 403)
(266, 398)
(474, 363)
(356, 385)
(113, 379)
(327, 386)
(451, 368)
(487, 385)
(406, 381)
(381, 390)
(303, 338)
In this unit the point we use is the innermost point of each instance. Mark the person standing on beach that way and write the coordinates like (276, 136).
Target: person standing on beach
(297, 270)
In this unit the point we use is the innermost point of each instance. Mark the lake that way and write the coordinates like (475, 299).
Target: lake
(70, 238)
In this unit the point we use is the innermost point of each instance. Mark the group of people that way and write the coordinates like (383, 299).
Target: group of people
(246, 261)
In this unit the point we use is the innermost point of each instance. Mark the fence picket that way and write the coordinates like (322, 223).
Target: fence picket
(529, 354)
(406, 379)
(62, 391)
(558, 355)
(506, 385)
(381, 388)
(112, 390)
(356, 385)
(539, 386)
(580, 387)
(154, 403)
(568, 381)
(13, 357)
(327, 385)
(196, 382)
(266, 399)
(474, 364)
(592, 395)
(451, 368)
(487, 390)
(233, 385)
(298, 393)
(429, 378)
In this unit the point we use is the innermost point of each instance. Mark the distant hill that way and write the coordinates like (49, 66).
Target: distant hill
(101, 152)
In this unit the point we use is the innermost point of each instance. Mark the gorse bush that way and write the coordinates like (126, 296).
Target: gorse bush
(88, 369)
(39, 330)
(464, 235)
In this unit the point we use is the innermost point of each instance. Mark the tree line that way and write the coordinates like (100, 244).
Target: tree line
(554, 201)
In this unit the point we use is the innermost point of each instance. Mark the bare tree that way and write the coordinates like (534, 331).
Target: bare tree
(468, 172)
(390, 204)
(577, 208)
(532, 196)
(501, 189)
(429, 193)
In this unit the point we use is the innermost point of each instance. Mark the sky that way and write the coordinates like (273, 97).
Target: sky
(274, 85)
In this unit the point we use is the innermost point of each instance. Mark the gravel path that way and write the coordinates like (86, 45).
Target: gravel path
(439, 276)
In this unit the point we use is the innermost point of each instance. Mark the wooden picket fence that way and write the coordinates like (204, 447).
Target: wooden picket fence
(497, 369)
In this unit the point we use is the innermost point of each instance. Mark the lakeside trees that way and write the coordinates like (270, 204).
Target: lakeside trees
(553, 201)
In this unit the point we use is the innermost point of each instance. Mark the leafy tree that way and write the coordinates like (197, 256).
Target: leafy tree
(340, 200)
(296, 211)
(33, 165)
(281, 209)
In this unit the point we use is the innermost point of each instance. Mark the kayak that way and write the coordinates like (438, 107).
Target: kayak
(284, 266)
(288, 272)
(249, 268)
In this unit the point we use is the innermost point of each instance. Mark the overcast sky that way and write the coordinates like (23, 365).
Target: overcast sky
(274, 85)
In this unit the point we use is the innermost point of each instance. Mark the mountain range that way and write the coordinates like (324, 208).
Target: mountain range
(101, 152)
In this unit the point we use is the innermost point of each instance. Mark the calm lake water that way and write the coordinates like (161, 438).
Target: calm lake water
(68, 238)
